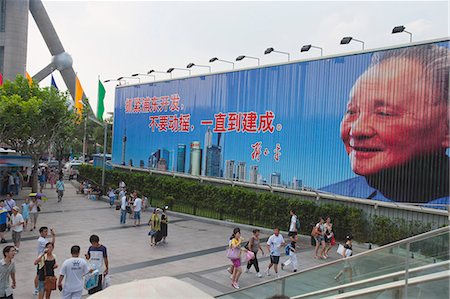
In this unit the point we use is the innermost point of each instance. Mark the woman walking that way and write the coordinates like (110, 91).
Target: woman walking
(155, 227)
(46, 264)
(318, 233)
(254, 245)
(35, 208)
(26, 212)
(164, 222)
(347, 252)
(329, 237)
(235, 245)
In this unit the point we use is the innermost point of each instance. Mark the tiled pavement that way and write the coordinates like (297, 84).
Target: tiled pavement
(195, 251)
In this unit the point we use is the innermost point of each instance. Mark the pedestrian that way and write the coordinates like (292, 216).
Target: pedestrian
(254, 245)
(52, 178)
(123, 209)
(97, 256)
(318, 233)
(291, 251)
(42, 179)
(328, 236)
(347, 251)
(26, 212)
(274, 244)
(42, 242)
(46, 263)
(122, 185)
(35, 208)
(11, 184)
(7, 269)
(16, 183)
(235, 245)
(112, 197)
(137, 206)
(294, 224)
(17, 223)
(10, 203)
(60, 188)
(73, 270)
(164, 224)
(155, 227)
(3, 221)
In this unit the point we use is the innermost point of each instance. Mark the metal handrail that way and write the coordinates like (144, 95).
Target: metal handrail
(392, 285)
(373, 279)
(423, 236)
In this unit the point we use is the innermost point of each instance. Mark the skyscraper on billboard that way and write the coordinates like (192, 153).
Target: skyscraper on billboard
(208, 142)
(254, 174)
(196, 158)
(241, 171)
(297, 184)
(213, 157)
(154, 158)
(260, 180)
(162, 164)
(275, 179)
(181, 157)
(229, 169)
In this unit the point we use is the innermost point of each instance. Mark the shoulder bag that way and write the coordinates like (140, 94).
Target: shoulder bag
(49, 281)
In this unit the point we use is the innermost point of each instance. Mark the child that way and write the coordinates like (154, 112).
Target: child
(112, 197)
(291, 251)
(26, 212)
(235, 244)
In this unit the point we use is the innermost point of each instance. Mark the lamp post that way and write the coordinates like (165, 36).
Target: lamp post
(120, 78)
(399, 29)
(170, 70)
(217, 59)
(147, 75)
(111, 80)
(346, 40)
(270, 50)
(190, 65)
(306, 48)
(105, 141)
(239, 58)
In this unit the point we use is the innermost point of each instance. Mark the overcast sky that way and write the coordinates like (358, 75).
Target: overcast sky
(119, 38)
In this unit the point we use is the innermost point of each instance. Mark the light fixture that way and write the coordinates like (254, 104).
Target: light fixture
(270, 50)
(137, 74)
(346, 40)
(306, 48)
(170, 70)
(190, 65)
(400, 29)
(154, 71)
(239, 58)
(217, 59)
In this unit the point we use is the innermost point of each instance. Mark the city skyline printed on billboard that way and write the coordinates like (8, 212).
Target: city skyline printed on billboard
(328, 124)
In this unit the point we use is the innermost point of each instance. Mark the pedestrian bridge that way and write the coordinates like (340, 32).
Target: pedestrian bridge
(417, 267)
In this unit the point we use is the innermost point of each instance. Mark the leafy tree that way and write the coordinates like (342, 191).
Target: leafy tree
(31, 118)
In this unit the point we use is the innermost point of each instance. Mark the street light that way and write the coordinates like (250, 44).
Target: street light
(190, 65)
(124, 77)
(175, 68)
(399, 29)
(306, 48)
(217, 59)
(137, 74)
(153, 71)
(239, 58)
(111, 80)
(346, 40)
(270, 50)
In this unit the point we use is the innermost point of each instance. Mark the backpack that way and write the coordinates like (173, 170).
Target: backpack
(287, 249)
(297, 224)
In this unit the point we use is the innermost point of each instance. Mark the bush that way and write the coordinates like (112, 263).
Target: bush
(257, 208)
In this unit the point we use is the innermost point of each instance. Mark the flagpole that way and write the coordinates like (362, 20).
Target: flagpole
(84, 138)
(105, 138)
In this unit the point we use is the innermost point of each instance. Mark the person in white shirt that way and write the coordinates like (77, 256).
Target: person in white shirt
(293, 229)
(273, 246)
(137, 208)
(17, 223)
(73, 270)
(123, 209)
(42, 241)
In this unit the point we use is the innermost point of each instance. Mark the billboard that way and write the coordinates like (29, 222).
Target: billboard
(371, 125)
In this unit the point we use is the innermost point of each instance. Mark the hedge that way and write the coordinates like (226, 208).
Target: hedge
(263, 209)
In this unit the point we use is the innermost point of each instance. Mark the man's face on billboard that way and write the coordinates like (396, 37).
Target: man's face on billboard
(393, 115)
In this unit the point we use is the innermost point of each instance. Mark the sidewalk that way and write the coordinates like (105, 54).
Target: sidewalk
(195, 251)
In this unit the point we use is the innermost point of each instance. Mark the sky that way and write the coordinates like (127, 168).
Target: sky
(111, 39)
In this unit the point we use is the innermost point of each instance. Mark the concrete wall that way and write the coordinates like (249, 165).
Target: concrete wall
(14, 39)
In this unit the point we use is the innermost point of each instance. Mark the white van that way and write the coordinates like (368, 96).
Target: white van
(71, 169)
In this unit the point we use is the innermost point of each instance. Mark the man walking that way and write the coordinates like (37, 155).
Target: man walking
(294, 224)
(137, 209)
(73, 270)
(7, 269)
(274, 245)
(60, 188)
(97, 256)
(17, 223)
(11, 184)
(123, 209)
(3, 221)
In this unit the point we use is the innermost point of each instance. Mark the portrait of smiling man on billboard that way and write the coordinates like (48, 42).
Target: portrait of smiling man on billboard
(396, 128)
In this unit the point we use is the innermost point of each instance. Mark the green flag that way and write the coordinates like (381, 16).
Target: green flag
(100, 103)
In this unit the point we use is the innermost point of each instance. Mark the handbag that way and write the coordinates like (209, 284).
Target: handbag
(333, 240)
(49, 281)
(341, 250)
(233, 254)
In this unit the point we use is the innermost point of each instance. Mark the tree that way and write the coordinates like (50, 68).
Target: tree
(31, 117)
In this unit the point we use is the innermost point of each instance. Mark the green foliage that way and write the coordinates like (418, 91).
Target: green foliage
(256, 208)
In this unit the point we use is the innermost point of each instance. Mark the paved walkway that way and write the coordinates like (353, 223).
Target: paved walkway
(195, 251)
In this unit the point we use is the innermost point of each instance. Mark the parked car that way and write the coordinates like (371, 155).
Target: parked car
(71, 170)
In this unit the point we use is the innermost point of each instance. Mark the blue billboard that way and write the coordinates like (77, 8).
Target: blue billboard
(370, 125)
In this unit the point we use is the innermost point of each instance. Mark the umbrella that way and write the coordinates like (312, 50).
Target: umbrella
(42, 196)
(156, 288)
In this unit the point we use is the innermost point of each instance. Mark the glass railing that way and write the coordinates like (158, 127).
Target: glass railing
(407, 259)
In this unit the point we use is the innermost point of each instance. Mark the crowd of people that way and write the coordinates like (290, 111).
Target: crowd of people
(322, 236)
